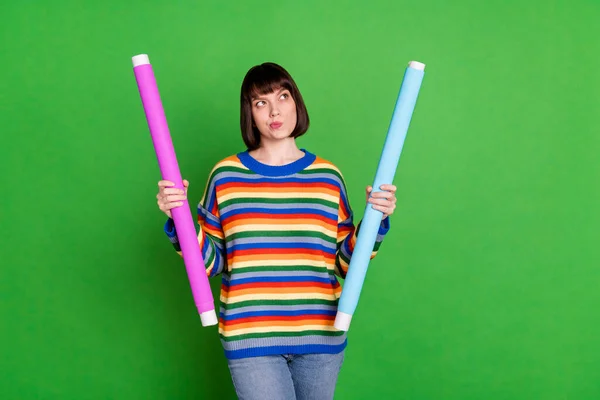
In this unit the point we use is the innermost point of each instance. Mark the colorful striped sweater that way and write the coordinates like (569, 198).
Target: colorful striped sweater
(279, 236)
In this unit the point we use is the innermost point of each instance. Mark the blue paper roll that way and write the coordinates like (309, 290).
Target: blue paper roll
(388, 163)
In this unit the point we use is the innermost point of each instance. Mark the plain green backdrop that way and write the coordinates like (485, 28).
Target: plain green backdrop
(487, 286)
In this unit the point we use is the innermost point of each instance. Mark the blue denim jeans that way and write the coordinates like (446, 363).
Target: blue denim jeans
(286, 376)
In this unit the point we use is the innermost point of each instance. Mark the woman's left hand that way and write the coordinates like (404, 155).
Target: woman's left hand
(384, 201)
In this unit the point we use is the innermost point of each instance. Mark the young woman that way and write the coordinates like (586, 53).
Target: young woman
(276, 224)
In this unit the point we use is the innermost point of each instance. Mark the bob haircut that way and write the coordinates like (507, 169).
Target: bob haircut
(262, 79)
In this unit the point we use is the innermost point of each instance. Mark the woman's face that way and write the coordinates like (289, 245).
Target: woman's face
(274, 114)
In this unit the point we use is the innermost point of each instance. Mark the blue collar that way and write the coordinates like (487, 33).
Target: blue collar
(279, 170)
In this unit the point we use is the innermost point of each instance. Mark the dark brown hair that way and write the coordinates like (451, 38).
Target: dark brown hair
(262, 79)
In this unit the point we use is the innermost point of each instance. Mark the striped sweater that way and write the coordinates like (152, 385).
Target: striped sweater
(279, 236)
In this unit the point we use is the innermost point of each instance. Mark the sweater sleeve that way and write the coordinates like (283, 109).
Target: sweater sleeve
(210, 234)
(348, 233)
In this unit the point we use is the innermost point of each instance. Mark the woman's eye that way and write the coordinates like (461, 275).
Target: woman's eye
(259, 103)
(285, 96)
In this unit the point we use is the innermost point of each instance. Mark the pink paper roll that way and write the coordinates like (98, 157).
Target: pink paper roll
(169, 168)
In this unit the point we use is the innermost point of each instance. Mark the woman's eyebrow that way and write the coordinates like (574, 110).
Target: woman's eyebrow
(259, 97)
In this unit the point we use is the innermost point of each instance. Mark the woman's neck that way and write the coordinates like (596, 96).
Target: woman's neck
(277, 153)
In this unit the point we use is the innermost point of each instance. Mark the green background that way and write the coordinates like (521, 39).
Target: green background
(487, 286)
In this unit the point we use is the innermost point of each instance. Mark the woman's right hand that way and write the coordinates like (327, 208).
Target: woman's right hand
(170, 197)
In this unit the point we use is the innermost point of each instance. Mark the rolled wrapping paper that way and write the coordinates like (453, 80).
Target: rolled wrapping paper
(169, 168)
(386, 170)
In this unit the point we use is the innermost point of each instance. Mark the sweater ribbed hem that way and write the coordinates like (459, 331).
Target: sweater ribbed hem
(289, 349)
